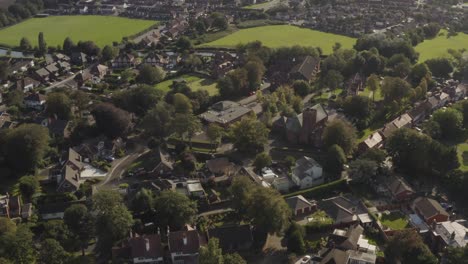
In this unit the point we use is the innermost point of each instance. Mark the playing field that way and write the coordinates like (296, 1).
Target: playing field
(438, 46)
(102, 30)
(462, 154)
(194, 82)
(283, 36)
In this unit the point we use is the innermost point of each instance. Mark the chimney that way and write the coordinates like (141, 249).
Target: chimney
(184, 238)
(452, 236)
(147, 244)
(434, 224)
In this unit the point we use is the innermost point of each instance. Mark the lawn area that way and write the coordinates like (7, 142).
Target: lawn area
(103, 30)
(194, 82)
(377, 97)
(462, 153)
(438, 46)
(394, 221)
(284, 36)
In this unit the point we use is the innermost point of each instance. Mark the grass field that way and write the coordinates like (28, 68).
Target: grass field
(282, 36)
(394, 221)
(462, 153)
(194, 82)
(102, 30)
(438, 46)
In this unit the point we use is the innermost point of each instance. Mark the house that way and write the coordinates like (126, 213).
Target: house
(450, 234)
(232, 238)
(344, 211)
(225, 113)
(52, 69)
(165, 165)
(443, 98)
(78, 58)
(356, 84)
(63, 66)
(5, 121)
(27, 84)
(141, 249)
(82, 77)
(404, 120)
(337, 256)
(430, 210)
(220, 166)
(306, 70)
(300, 206)
(10, 206)
(306, 127)
(124, 60)
(35, 101)
(184, 246)
(282, 184)
(155, 60)
(346, 239)
(399, 189)
(99, 70)
(375, 140)
(420, 112)
(307, 173)
(42, 74)
(70, 179)
(58, 127)
(195, 189)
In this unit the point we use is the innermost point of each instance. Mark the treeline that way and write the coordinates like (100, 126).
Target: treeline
(20, 10)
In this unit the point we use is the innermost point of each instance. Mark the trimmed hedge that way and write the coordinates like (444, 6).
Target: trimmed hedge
(322, 190)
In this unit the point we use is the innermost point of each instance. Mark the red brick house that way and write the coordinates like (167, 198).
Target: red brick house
(399, 189)
(300, 206)
(430, 210)
(307, 127)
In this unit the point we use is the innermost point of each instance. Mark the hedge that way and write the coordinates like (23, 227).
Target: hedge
(322, 190)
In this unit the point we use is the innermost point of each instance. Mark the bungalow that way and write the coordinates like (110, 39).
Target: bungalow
(300, 206)
(184, 246)
(307, 173)
(430, 210)
(232, 238)
(35, 101)
(346, 239)
(220, 166)
(373, 141)
(306, 70)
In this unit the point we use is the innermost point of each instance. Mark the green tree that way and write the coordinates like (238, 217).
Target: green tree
(261, 161)
(104, 200)
(234, 259)
(301, 87)
(440, 67)
(18, 246)
(408, 247)
(58, 104)
(42, 48)
(52, 252)
(143, 201)
(157, 120)
(184, 44)
(138, 100)
(295, 237)
(150, 75)
(109, 53)
(335, 159)
(340, 133)
(219, 21)
(333, 79)
(4, 70)
(26, 146)
(81, 223)
(174, 209)
(68, 45)
(249, 134)
(112, 121)
(359, 108)
(6, 226)
(456, 255)
(182, 104)
(395, 88)
(418, 72)
(450, 122)
(112, 226)
(214, 133)
(362, 169)
(373, 82)
(25, 44)
(255, 71)
(28, 186)
(211, 254)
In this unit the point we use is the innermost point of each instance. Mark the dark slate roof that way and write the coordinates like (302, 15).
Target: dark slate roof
(176, 242)
(298, 202)
(231, 237)
(306, 67)
(429, 207)
(347, 239)
(147, 246)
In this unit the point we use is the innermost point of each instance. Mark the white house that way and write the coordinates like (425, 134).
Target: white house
(307, 173)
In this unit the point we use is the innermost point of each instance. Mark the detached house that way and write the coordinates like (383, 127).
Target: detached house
(430, 210)
(100, 70)
(307, 173)
(306, 70)
(300, 206)
(27, 84)
(35, 101)
(71, 172)
(399, 189)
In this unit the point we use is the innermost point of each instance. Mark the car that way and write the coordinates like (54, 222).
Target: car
(305, 259)
(109, 159)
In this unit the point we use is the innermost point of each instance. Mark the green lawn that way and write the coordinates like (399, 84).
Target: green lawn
(438, 46)
(394, 221)
(462, 153)
(102, 30)
(194, 82)
(377, 97)
(284, 36)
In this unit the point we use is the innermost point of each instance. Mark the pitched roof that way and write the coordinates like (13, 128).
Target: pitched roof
(429, 207)
(146, 246)
(402, 120)
(373, 140)
(176, 242)
(232, 237)
(302, 165)
(335, 256)
(398, 185)
(298, 202)
(342, 209)
(307, 67)
(347, 239)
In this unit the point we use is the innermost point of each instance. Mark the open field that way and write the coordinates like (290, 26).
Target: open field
(394, 221)
(283, 36)
(103, 30)
(194, 82)
(462, 153)
(438, 46)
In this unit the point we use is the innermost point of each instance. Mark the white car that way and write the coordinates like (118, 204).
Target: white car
(305, 259)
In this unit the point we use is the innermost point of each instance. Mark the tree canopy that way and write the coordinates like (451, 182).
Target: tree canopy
(112, 121)
(340, 133)
(249, 134)
(174, 209)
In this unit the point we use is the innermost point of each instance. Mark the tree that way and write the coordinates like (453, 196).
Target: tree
(42, 45)
(143, 201)
(408, 247)
(58, 104)
(295, 236)
(80, 222)
(112, 226)
(6, 226)
(157, 120)
(4, 70)
(234, 259)
(150, 75)
(359, 108)
(373, 82)
(109, 53)
(362, 169)
(335, 159)
(249, 134)
(456, 255)
(219, 21)
(375, 154)
(26, 146)
(333, 79)
(462, 106)
(112, 121)
(52, 252)
(25, 44)
(395, 88)
(340, 133)
(28, 186)
(450, 122)
(301, 87)
(68, 45)
(211, 254)
(80, 100)
(104, 201)
(440, 67)
(18, 246)
(418, 72)
(214, 133)
(184, 44)
(255, 71)
(182, 104)
(431, 30)
(174, 209)
(241, 189)
(261, 161)
(138, 100)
